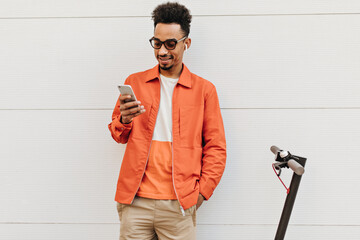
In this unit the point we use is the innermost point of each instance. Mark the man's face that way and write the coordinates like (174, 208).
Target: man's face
(170, 60)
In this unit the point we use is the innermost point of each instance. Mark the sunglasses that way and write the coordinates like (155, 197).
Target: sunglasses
(170, 44)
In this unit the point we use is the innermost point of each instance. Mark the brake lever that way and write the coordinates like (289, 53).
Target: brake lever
(278, 166)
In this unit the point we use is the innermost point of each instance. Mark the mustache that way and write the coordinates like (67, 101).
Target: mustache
(165, 56)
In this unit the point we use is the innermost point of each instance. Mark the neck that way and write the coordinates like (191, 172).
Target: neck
(174, 72)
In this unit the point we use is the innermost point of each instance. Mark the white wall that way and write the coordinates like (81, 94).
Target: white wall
(287, 73)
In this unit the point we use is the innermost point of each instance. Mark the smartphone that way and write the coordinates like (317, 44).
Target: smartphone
(127, 90)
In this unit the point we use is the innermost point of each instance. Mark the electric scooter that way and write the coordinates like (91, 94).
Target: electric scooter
(285, 159)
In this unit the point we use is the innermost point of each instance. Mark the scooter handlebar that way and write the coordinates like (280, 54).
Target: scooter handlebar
(275, 149)
(296, 167)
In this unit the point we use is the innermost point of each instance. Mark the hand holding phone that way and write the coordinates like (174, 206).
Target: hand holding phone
(129, 106)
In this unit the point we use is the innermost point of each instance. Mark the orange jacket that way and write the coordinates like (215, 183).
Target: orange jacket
(199, 147)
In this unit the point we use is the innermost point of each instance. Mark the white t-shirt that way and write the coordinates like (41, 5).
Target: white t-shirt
(163, 125)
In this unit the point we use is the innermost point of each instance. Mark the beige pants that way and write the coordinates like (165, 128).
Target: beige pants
(156, 219)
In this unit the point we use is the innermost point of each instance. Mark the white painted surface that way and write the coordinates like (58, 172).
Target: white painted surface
(59, 166)
(255, 62)
(94, 8)
(208, 232)
(287, 74)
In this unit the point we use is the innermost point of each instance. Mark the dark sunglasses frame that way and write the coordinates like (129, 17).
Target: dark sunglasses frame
(166, 41)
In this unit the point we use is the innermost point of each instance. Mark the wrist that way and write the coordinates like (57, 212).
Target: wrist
(122, 122)
(202, 196)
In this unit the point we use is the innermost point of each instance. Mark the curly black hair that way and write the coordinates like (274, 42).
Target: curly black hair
(173, 12)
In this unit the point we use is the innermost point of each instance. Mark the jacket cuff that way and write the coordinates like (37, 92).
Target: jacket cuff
(205, 190)
(121, 127)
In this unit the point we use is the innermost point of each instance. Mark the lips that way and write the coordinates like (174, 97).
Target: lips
(165, 59)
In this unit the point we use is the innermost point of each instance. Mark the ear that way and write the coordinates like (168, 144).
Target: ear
(187, 43)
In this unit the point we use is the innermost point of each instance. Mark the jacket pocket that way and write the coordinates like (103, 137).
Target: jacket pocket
(141, 122)
(191, 122)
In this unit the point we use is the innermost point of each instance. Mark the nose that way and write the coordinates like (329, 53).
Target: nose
(163, 50)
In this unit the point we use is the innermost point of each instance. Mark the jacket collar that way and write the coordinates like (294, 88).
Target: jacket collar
(184, 79)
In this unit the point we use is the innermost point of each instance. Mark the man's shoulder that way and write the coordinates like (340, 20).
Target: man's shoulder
(200, 81)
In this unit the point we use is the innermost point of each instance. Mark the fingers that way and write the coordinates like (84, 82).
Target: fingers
(127, 105)
(122, 98)
(129, 110)
(124, 103)
(131, 116)
(128, 118)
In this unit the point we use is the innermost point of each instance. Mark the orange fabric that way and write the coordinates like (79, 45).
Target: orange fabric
(157, 181)
(199, 146)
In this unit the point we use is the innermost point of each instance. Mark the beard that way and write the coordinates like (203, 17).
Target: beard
(166, 68)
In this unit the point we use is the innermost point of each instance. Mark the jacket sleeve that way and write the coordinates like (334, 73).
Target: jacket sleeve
(214, 145)
(120, 132)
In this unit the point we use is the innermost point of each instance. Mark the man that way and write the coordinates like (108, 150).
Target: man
(176, 150)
